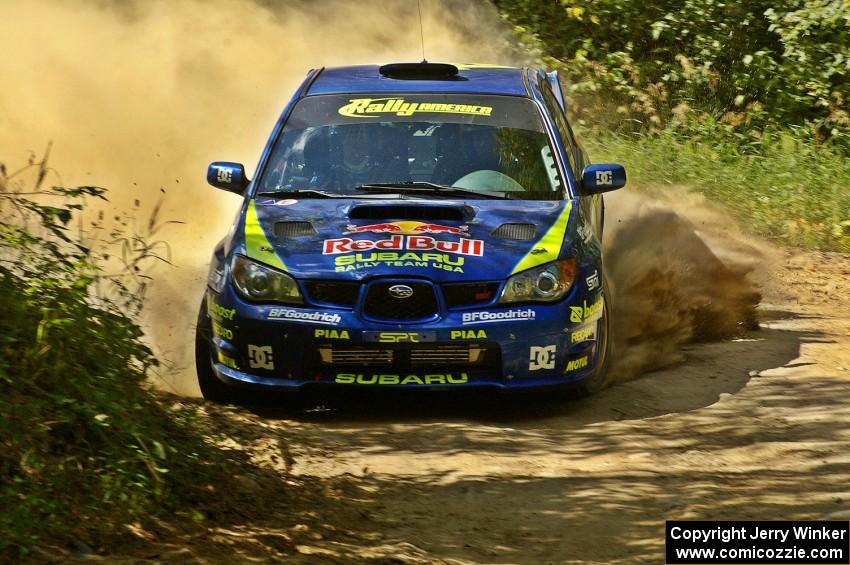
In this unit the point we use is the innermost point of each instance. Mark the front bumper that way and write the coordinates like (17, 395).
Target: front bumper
(286, 347)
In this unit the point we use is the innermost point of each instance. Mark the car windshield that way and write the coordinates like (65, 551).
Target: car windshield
(481, 143)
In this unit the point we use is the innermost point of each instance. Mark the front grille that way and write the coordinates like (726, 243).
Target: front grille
(446, 355)
(457, 356)
(356, 355)
(380, 303)
(330, 292)
(469, 293)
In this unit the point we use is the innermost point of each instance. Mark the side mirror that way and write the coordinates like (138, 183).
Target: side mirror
(227, 176)
(596, 179)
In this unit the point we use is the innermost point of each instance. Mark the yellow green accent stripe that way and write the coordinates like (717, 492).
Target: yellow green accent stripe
(257, 245)
(464, 66)
(548, 247)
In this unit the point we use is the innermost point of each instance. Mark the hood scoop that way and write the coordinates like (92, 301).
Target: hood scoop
(521, 232)
(412, 212)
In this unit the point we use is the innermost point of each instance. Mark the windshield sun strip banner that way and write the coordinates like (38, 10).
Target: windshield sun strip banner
(257, 245)
(548, 247)
(372, 107)
(498, 111)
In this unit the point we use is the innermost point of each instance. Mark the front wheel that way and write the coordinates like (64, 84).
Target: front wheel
(211, 387)
(601, 377)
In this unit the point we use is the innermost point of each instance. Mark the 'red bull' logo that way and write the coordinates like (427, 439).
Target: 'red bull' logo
(373, 228)
(406, 228)
(437, 228)
(405, 235)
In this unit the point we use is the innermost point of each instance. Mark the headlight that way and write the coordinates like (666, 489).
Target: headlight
(259, 283)
(547, 283)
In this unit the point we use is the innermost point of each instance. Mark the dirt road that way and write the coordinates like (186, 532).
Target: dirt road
(752, 428)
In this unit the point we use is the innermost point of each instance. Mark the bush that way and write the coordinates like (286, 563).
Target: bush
(644, 66)
(85, 446)
(747, 102)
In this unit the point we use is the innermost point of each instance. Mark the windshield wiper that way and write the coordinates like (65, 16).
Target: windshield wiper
(303, 193)
(421, 187)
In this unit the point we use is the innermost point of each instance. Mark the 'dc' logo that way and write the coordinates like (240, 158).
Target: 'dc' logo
(400, 291)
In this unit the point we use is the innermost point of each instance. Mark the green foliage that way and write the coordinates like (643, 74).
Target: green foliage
(641, 66)
(780, 187)
(747, 102)
(84, 444)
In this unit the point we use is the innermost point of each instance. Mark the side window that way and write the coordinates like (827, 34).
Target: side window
(562, 126)
(580, 156)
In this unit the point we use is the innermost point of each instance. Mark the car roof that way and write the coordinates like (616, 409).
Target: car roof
(471, 79)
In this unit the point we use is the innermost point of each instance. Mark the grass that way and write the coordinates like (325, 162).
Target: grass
(86, 446)
(781, 188)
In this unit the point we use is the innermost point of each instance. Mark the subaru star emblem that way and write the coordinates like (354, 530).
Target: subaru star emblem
(401, 291)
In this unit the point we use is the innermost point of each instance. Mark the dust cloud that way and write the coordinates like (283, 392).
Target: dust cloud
(679, 271)
(139, 96)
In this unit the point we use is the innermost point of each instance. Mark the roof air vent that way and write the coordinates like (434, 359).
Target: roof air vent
(420, 71)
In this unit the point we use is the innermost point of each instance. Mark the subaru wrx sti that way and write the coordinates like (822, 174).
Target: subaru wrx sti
(412, 226)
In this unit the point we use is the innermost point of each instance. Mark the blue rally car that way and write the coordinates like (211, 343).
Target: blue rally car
(418, 225)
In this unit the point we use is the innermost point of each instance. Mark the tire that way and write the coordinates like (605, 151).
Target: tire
(211, 387)
(601, 378)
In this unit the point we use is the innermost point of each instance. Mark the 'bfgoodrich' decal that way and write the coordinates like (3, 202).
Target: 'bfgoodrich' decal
(524, 314)
(308, 316)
